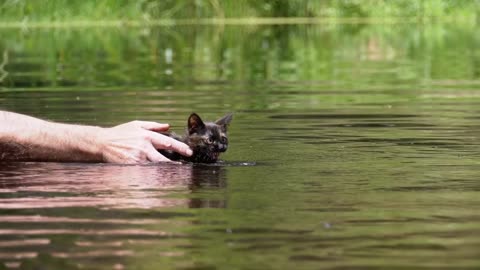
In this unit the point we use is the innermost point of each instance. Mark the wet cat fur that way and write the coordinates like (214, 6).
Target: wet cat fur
(206, 139)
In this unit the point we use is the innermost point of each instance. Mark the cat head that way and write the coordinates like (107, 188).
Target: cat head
(207, 139)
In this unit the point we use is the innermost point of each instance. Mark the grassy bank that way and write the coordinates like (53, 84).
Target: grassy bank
(147, 11)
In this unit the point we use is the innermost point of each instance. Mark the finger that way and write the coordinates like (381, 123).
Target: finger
(154, 156)
(153, 126)
(161, 141)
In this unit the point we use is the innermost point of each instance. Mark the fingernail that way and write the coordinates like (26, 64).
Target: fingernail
(189, 152)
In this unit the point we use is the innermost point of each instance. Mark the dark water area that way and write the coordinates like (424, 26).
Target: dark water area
(351, 147)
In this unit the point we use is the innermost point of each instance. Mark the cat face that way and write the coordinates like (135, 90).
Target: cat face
(207, 140)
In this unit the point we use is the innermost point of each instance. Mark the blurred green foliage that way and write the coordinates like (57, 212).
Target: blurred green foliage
(67, 10)
(186, 55)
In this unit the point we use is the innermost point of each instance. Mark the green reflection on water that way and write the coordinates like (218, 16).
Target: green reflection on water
(268, 67)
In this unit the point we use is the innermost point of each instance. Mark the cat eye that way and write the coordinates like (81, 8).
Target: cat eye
(209, 140)
(223, 139)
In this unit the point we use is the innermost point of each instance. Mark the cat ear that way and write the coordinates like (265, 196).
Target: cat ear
(195, 123)
(224, 121)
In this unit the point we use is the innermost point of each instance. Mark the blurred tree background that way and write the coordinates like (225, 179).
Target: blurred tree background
(68, 10)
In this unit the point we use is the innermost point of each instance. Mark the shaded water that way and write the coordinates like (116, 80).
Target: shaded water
(351, 147)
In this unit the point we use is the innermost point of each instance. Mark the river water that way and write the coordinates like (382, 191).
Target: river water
(351, 147)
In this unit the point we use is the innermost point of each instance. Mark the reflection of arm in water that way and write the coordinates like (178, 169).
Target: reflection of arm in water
(26, 138)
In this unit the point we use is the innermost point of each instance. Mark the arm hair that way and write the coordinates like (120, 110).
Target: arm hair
(25, 138)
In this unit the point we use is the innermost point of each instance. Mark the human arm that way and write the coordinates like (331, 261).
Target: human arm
(25, 138)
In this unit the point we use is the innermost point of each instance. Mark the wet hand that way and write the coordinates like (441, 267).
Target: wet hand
(137, 142)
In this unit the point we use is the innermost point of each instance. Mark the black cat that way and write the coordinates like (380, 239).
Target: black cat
(207, 140)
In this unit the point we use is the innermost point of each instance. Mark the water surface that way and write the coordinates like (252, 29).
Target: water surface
(352, 147)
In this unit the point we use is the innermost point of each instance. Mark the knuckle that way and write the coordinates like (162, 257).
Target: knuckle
(146, 137)
(171, 142)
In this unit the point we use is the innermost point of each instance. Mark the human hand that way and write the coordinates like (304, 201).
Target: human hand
(137, 142)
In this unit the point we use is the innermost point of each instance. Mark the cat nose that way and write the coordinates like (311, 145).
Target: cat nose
(222, 148)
